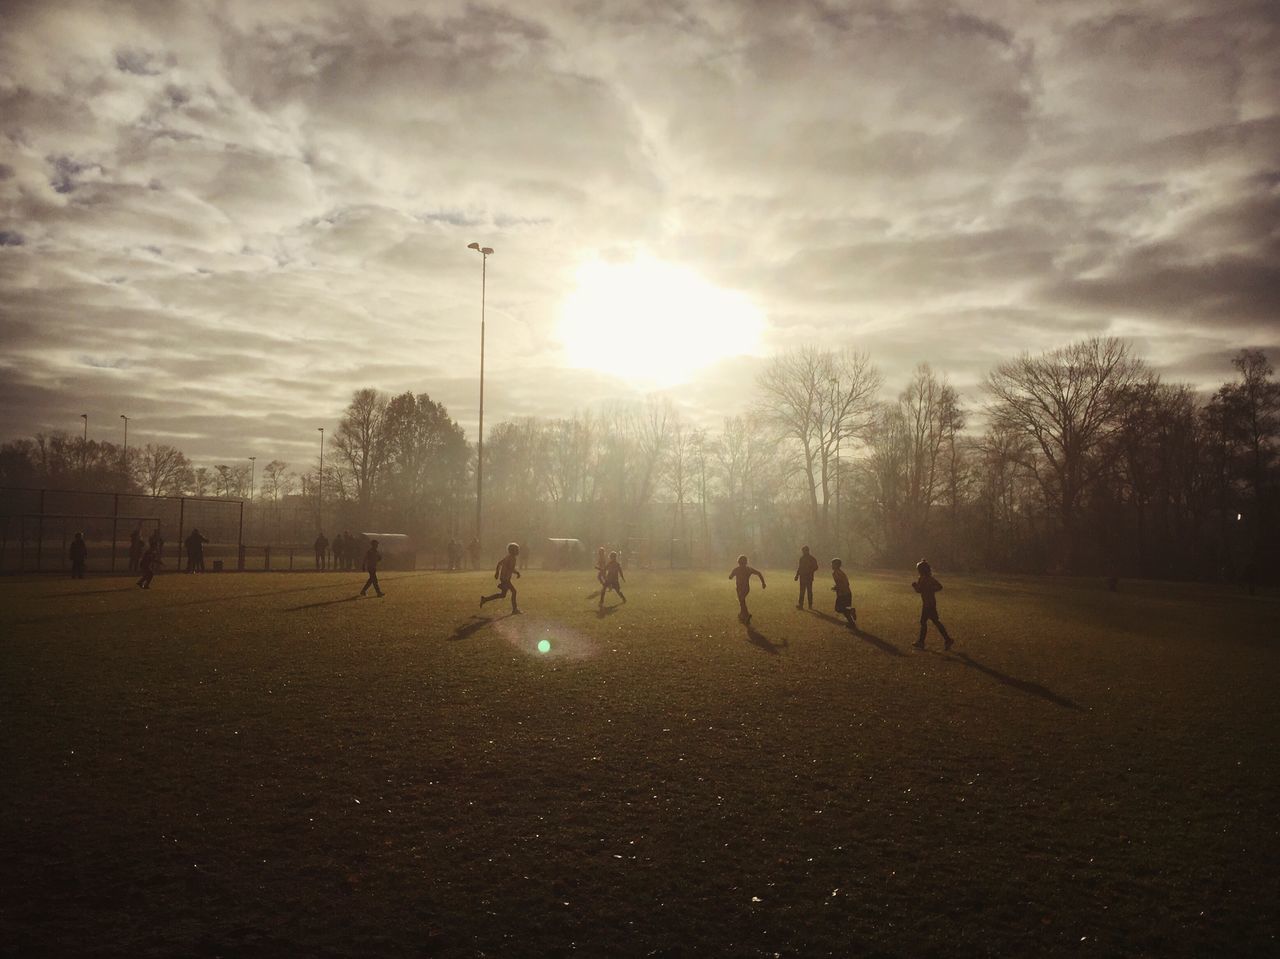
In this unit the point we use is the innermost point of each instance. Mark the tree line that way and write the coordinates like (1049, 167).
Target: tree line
(1080, 459)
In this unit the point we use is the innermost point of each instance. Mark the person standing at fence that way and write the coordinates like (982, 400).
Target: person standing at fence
(195, 551)
(156, 542)
(136, 546)
(339, 551)
(321, 547)
(79, 554)
(371, 560)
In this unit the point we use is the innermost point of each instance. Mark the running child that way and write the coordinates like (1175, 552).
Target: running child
(612, 577)
(743, 573)
(601, 562)
(928, 588)
(371, 560)
(503, 572)
(844, 594)
(805, 570)
(149, 563)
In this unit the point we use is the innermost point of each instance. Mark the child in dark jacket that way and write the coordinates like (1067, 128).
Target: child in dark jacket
(743, 573)
(371, 560)
(805, 571)
(844, 594)
(928, 588)
(148, 565)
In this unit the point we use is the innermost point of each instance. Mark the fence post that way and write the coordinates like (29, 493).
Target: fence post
(240, 534)
(182, 518)
(40, 533)
(240, 558)
(115, 528)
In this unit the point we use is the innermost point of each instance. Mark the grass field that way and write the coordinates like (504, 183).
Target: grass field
(260, 765)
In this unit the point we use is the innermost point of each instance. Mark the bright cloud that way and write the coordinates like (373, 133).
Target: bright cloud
(223, 218)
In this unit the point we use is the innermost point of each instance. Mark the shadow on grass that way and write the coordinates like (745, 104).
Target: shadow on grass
(158, 586)
(870, 639)
(757, 638)
(1033, 689)
(474, 625)
(327, 602)
(92, 592)
(603, 611)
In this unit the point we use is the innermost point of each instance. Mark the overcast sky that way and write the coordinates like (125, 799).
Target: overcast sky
(222, 217)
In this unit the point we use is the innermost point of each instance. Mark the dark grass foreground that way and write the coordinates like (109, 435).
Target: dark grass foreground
(262, 765)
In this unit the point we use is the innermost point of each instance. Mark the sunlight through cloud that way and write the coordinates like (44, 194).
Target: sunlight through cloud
(654, 323)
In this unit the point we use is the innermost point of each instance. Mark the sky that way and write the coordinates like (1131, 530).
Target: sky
(221, 218)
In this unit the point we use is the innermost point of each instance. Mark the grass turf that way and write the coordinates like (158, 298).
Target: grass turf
(250, 765)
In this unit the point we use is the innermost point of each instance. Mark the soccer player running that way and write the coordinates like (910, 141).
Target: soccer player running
(371, 560)
(743, 573)
(805, 571)
(503, 572)
(928, 588)
(844, 594)
(612, 578)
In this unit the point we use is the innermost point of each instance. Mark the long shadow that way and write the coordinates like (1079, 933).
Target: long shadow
(158, 586)
(1034, 689)
(92, 592)
(870, 639)
(757, 638)
(603, 611)
(327, 602)
(474, 625)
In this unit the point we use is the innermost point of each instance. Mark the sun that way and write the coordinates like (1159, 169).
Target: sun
(654, 323)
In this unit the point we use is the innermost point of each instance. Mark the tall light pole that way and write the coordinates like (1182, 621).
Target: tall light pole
(485, 252)
(125, 456)
(253, 466)
(320, 482)
(84, 446)
(837, 425)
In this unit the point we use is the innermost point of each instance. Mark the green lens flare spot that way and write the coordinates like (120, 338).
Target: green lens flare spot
(544, 645)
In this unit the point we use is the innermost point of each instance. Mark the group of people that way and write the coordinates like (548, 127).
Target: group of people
(609, 574)
(340, 554)
(806, 570)
(138, 546)
(458, 555)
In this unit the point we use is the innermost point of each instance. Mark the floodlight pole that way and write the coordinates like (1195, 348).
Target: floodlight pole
(320, 483)
(837, 425)
(253, 467)
(125, 455)
(84, 446)
(485, 252)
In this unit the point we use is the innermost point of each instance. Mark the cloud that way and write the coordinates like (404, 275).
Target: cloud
(222, 219)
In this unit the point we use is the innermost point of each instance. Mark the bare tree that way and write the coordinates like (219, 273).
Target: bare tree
(817, 399)
(1067, 402)
(276, 481)
(362, 442)
(162, 468)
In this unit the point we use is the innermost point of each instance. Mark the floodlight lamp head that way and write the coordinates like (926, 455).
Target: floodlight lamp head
(473, 246)
(486, 250)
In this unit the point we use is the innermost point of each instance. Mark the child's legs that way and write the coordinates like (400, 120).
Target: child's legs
(508, 588)
(806, 589)
(371, 581)
(742, 601)
(933, 615)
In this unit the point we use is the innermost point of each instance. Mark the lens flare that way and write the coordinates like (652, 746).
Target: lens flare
(544, 645)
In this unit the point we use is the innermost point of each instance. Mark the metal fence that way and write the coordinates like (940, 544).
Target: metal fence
(37, 527)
